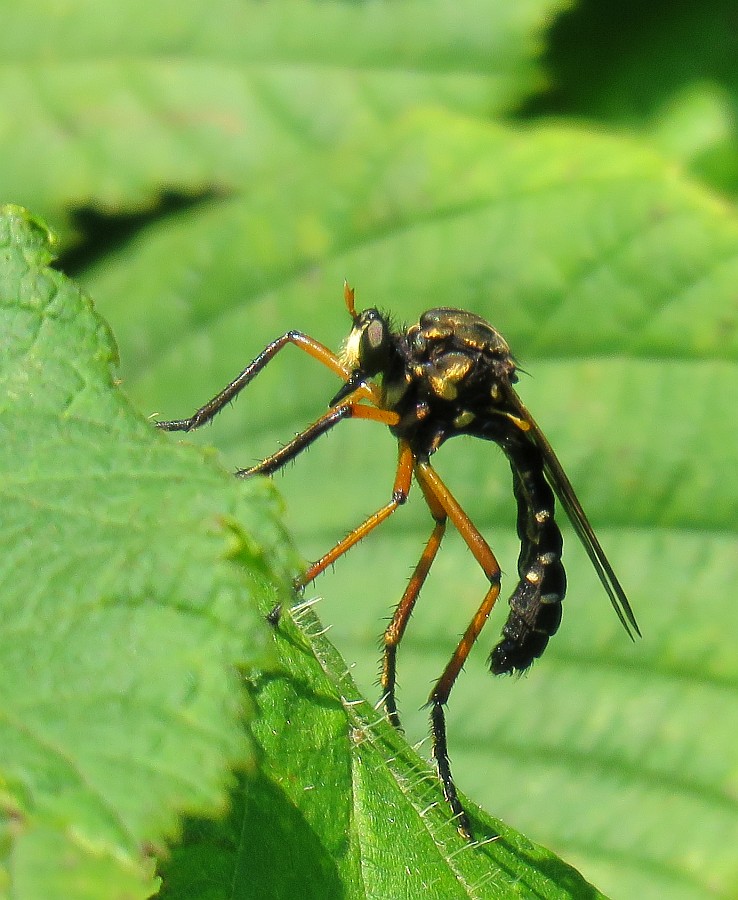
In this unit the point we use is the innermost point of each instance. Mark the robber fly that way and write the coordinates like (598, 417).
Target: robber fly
(449, 374)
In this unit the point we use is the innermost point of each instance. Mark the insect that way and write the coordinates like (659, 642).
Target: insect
(449, 374)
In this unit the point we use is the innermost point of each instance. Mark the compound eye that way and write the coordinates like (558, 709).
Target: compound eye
(374, 344)
(374, 336)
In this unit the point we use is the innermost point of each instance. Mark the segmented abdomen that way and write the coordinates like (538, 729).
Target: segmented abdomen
(535, 605)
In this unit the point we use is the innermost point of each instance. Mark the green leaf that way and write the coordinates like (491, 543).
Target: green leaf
(110, 106)
(666, 71)
(345, 808)
(129, 599)
(128, 586)
(614, 281)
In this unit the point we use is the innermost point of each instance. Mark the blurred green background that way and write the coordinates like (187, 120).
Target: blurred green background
(569, 171)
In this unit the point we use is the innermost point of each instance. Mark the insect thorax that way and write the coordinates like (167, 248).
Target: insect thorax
(449, 368)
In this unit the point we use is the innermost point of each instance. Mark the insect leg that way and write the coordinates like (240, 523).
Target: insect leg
(298, 339)
(396, 628)
(400, 490)
(434, 486)
(303, 440)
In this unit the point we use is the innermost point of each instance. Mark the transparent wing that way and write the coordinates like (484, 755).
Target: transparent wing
(568, 499)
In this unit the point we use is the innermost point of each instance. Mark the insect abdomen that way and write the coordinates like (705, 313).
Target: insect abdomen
(535, 605)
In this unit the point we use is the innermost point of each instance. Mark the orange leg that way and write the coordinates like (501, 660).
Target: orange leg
(433, 485)
(403, 479)
(396, 628)
(303, 440)
(431, 481)
(312, 347)
(335, 414)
